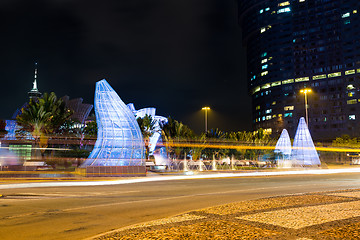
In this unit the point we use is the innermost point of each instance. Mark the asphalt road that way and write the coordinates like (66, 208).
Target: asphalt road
(81, 212)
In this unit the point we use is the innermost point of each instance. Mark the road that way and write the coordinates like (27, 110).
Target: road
(85, 211)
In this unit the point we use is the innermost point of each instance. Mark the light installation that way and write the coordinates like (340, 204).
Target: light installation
(119, 141)
(159, 153)
(304, 152)
(283, 150)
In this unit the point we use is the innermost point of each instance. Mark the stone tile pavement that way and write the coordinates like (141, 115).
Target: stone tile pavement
(316, 216)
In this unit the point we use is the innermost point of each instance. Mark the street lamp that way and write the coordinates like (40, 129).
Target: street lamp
(305, 91)
(206, 109)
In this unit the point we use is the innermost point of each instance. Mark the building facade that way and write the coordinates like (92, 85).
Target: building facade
(297, 44)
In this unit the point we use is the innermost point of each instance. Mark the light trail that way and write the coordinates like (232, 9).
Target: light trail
(182, 177)
(253, 147)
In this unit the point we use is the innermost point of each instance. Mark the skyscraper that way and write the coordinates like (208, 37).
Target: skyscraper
(299, 44)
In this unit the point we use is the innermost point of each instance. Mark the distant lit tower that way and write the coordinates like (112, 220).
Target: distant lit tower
(34, 92)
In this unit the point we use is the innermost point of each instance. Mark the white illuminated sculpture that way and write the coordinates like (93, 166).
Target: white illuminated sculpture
(304, 152)
(119, 140)
(160, 154)
(283, 149)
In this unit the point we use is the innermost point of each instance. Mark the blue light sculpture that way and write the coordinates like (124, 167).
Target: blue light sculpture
(157, 151)
(119, 141)
(283, 150)
(304, 152)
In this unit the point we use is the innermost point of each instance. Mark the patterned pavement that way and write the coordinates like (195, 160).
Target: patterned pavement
(315, 216)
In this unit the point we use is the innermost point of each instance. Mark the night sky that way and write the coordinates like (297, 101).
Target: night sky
(177, 56)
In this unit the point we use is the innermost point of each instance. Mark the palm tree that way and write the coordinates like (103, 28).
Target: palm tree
(147, 127)
(175, 133)
(43, 116)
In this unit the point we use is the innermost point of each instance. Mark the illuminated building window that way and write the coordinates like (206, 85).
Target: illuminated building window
(289, 108)
(301, 0)
(283, 4)
(288, 81)
(276, 83)
(267, 9)
(358, 70)
(351, 117)
(262, 30)
(350, 72)
(264, 61)
(288, 115)
(264, 73)
(274, 103)
(350, 87)
(257, 107)
(347, 22)
(263, 118)
(337, 74)
(268, 117)
(264, 54)
(352, 101)
(268, 111)
(322, 76)
(265, 86)
(284, 10)
(355, 12)
(274, 116)
(261, 11)
(345, 15)
(257, 89)
(264, 66)
(302, 79)
(280, 115)
(351, 94)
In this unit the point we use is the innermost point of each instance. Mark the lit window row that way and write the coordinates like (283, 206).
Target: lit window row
(284, 10)
(303, 79)
(264, 29)
(352, 101)
(283, 4)
(262, 10)
(288, 108)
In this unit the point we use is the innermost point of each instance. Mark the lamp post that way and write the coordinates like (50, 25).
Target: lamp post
(206, 109)
(305, 91)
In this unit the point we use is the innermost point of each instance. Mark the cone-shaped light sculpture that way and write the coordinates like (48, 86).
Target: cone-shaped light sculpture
(283, 145)
(304, 152)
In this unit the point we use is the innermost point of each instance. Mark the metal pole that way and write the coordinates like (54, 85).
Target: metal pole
(306, 110)
(205, 120)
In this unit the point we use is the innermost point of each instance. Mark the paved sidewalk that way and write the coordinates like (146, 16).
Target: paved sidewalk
(317, 216)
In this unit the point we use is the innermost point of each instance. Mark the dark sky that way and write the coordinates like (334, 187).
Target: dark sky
(177, 56)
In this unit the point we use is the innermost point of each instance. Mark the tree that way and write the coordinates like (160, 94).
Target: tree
(91, 129)
(174, 133)
(43, 116)
(2, 128)
(147, 127)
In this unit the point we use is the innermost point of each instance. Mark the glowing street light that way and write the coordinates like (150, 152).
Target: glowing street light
(206, 109)
(305, 91)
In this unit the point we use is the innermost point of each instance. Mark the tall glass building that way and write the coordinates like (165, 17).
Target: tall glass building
(299, 44)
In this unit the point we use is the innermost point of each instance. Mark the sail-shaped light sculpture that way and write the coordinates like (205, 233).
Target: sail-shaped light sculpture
(283, 150)
(119, 141)
(304, 152)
